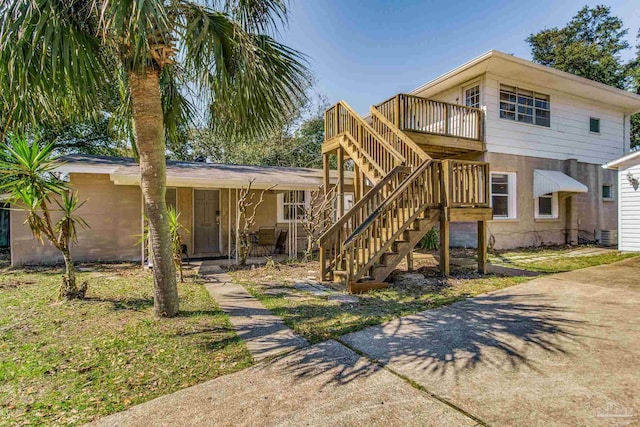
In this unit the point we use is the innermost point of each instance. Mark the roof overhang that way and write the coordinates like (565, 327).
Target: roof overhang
(203, 183)
(628, 160)
(508, 66)
(122, 171)
(546, 181)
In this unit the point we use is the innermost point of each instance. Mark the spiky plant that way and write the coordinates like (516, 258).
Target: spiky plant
(29, 179)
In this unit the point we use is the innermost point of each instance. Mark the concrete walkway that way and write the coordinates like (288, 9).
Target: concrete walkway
(265, 334)
(322, 385)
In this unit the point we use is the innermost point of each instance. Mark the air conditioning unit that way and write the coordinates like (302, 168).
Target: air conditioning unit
(607, 237)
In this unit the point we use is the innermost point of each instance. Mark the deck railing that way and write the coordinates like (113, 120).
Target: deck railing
(415, 114)
(468, 183)
(413, 154)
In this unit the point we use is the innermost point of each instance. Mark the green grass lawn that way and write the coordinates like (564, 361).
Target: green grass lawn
(560, 264)
(67, 363)
(318, 319)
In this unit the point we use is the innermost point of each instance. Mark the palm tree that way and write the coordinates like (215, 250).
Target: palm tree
(169, 60)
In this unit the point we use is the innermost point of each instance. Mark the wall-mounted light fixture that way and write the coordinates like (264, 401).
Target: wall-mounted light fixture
(635, 183)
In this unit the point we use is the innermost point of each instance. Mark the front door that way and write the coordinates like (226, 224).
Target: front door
(205, 222)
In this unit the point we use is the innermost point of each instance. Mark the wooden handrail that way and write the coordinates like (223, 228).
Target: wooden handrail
(480, 110)
(387, 202)
(467, 183)
(373, 132)
(412, 152)
(366, 155)
(396, 213)
(362, 202)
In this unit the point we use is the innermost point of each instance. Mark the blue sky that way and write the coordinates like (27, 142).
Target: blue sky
(364, 51)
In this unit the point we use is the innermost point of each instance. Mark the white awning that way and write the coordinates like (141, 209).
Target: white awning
(545, 182)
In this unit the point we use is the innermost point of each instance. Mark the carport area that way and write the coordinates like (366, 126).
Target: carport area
(558, 350)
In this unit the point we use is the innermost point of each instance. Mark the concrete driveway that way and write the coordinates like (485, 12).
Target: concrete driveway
(561, 350)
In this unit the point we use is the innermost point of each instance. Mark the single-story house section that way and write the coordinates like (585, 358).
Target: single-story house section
(204, 194)
(628, 168)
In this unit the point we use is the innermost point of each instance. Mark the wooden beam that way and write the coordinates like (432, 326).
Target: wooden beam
(362, 287)
(482, 247)
(340, 193)
(410, 260)
(444, 248)
(325, 168)
(469, 214)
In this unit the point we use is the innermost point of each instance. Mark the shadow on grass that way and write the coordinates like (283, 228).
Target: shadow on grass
(134, 304)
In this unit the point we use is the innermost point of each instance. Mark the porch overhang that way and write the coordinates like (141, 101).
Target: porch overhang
(547, 181)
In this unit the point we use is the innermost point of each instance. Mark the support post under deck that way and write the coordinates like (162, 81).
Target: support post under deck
(325, 170)
(482, 247)
(444, 248)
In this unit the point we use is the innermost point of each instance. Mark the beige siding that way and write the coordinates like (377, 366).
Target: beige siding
(112, 212)
(185, 208)
(629, 232)
(526, 230)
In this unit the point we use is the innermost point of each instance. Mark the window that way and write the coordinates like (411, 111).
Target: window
(503, 195)
(594, 125)
(607, 192)
(472, 97)
(171, 198)
(291, 205)
(524, 106)
(547, 206)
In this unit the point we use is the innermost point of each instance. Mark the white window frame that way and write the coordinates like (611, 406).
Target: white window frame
(554, 208)
(512, 195)
(599, 123)
(468, 87)
(280, 205)
(534, 106)
(611, 198)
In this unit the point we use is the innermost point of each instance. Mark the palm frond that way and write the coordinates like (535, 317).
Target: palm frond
(177, 111)
(51, 63)
(250, 82)
(262, 16)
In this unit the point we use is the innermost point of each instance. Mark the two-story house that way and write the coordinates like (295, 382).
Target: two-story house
(499, 132)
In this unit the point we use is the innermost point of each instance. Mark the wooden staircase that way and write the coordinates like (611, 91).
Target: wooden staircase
(411, 192)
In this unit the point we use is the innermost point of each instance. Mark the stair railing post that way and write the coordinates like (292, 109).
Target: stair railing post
(396, 110)
(340, 194)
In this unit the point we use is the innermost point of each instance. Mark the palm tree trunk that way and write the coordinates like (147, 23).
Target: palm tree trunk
(149, 129)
